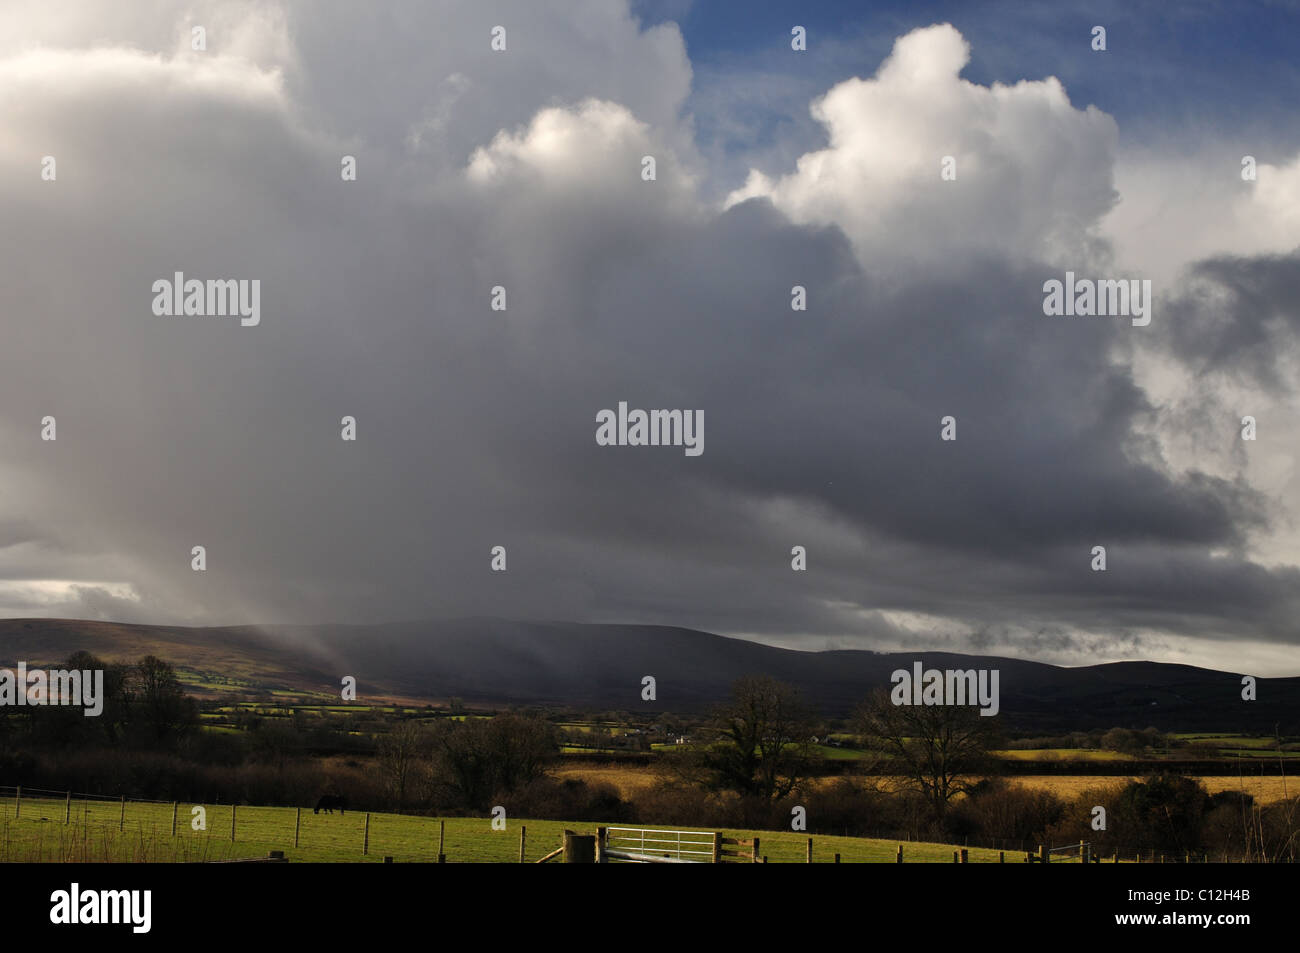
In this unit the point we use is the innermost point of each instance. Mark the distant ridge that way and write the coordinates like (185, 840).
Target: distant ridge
(499, 662)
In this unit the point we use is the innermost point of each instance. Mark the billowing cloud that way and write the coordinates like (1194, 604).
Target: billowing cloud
(1032, 172)
(475, 427)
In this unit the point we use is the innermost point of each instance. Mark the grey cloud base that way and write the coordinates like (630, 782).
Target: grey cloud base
(475, 428)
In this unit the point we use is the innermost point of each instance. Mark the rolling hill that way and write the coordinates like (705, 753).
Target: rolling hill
(498, 662)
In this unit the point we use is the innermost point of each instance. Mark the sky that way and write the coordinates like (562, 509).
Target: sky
(920, 171)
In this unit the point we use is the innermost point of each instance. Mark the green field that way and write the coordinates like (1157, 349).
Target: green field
(1238, 746)
(838, 754)
(1061, 754)
(92, 834)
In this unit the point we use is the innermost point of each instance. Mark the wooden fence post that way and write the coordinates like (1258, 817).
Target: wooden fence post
(1043, 855)
(523, 834)
(173, 818)
(1002, 857)
(755, 854)
(837, 858)
(600, 846)
(579, 848)
(954, 857)
(899, 859)
(442, 858)
(297, 825)
(965, 858)
(365, 842)
(810, 850)
(717, 848)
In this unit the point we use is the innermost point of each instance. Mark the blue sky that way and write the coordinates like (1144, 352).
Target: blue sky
(1173, 74)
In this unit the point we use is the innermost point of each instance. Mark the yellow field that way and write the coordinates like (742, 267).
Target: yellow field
(631, 780)
(1263, 790)
(627, 779)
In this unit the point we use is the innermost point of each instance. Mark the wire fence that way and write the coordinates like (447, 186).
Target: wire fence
(45, 825)
(41, 824)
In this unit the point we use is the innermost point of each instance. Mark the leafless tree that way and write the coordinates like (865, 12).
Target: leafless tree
(403, 758)
(939, 751)
(757, 744)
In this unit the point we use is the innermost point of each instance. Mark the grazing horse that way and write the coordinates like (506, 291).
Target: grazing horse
(328, 802)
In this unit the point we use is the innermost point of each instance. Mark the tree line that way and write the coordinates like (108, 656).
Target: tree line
(145, 706)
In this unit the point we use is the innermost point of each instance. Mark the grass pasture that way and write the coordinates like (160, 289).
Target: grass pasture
(92, 835)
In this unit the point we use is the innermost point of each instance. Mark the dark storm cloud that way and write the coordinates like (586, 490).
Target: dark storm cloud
(476, 428)
(1241, 318)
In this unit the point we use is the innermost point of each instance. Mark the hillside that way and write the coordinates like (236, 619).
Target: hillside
(491, 661)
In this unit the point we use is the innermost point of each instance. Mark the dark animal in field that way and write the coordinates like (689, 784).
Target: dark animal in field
(328, 802)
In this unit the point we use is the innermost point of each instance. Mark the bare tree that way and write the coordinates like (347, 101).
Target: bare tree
(482, 757)
(403, 758)
(758, 744)
(940, 751)
(165, 711)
